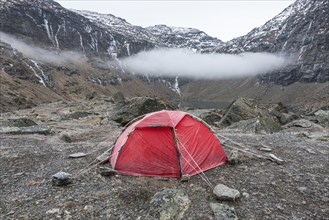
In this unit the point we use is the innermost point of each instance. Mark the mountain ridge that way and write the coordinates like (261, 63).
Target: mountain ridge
(298, 31)
(103, 38)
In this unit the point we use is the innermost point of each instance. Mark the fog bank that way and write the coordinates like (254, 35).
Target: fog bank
(37, 53)
(185, 63)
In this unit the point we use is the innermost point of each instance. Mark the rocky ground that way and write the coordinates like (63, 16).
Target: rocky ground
(296, 188)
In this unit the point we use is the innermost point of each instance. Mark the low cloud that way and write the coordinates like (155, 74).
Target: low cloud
(185, 63)
(37, 53)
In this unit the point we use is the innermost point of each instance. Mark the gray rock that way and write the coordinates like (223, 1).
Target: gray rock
(35, 129)
(322, 117)
(212, 117)
(76, 115)
(185, 178)
(223, 192)
(265, 149)
(288, 117)
(106, 171)
(19, 122)
(223, 211)
(124, 112)
(169, 204)
(61, 179)
(303, 125)
(233, 157)
(77, 155)
(119, 97)
(261, 125)
(275, 158)
(240, 109)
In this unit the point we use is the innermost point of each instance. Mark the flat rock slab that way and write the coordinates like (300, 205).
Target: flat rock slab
(35, 129)
(223, 211)
(223, 192)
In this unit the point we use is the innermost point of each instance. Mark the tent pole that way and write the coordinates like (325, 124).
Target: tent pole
(173, 133)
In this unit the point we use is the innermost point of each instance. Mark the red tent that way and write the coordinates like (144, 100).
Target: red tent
(166, 144)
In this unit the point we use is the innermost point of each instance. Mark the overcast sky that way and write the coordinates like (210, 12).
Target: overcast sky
(222, 19)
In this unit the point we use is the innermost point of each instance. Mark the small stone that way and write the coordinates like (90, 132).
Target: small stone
(88, 207)
(302, 189)
(246, 195)
(10, 213)
(223, 211)
(19, 174)
(185, 178)
(223, 192)
(77, 155)
(53, 211)
(61, 179)
(233, 157)
(265, 149)
(106, 171)
(275, 159)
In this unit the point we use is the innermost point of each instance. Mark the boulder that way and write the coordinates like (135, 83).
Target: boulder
(285, 118)
(283, 115)
(22, 126)
(223, 192)
(322, 117)
(261, 125)
(169, 204)
(240, 109)
(303, 125)
(19, 122)
(119, 97)
(126, 111)
(212, 117)
(223, 211)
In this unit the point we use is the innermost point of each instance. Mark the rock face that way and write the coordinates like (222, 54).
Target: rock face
(47, 23)
(301, 31)
(103, 35)
(178, 37)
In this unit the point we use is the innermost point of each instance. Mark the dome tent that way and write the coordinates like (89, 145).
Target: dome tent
(166, 144)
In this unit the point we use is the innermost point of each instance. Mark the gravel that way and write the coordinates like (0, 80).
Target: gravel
(294, 189)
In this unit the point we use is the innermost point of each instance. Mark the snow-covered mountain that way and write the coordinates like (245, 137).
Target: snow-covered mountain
(301, 31)
(178, 37)
(159, 35)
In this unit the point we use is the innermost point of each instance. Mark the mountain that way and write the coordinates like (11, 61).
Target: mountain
(301, 31)
(45, 23)
(159, 35)
(88, 43)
